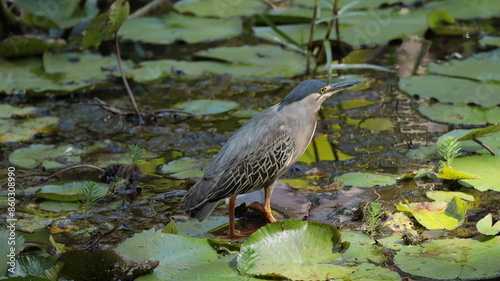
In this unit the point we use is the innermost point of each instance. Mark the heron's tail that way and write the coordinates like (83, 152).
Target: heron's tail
(202, 212)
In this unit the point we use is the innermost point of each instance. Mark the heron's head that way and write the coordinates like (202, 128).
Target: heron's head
(316, 91)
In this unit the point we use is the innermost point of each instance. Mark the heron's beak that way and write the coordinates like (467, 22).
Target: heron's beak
(337, 87)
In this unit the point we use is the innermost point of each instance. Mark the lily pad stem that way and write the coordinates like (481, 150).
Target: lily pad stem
(125, 82)
(485, 146)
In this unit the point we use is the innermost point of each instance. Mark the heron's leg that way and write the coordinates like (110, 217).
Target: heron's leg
(232, 206)
(267, 203)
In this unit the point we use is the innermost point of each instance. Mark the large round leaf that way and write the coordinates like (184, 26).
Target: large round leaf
(176, 253)
(293, 249)
(452, 259)
(366, 180)
(486, 167)
(208, 106)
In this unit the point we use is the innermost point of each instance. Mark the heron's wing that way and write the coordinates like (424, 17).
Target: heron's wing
(253, 158)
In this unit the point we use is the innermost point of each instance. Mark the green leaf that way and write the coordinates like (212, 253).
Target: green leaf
(486, 167)
(221, 9)
(17, 130)
(293, 249)
(451, 259)
(437, 215)
(55, 206)
(34, 154)
(176, 253)
(482, 67)
(25, 45)
(490, 40)
(449, 173)
(439, 195)
(453, 90)
(106, 25)
(207, 107)
(68, 192)
(184, 168)
(364, 180)
(486, 227)
(443, 23)
(460, 114)
(474, 134)
(176, 27)
(362, 248)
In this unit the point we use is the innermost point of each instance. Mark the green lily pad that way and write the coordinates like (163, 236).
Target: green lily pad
(377, 125)
(368, 271)
(17, 130)
(7, 110)
(482, 67)
(443, 23)
(438, 195)
(107, 24)
(464, 9)
(452, 259)
(221, 9)
(176, 253)
(176, 27)
(365, 180)
(292, 249)
(264, 62)
(207, 107)
(57, 207)
(460, 114)
(25, 45)
(486, 226)
(449, 173)
(362, 248)
(58, 15)
(32, 223)
(437, 215)
(486, 167)
(451, 90)
(490, 40)
(68, 192)
(184, 168)
(49, 156)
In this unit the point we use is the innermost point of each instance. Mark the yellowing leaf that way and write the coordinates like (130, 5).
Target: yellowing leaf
(449, 173)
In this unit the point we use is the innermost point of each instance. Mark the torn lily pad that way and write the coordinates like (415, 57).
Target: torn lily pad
(184, 168)
(486, 226)
(437, 215)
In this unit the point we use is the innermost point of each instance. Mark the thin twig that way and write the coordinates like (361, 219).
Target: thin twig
(327, 37)
(75, 167)
(485, 146)
(125, 82)
(311, 37)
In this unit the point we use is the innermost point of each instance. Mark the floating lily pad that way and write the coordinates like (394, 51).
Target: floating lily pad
(398, 222)
(474, 134)
(41, 154)
(58, 15)
(437, 215)
(184, 168)
(221, 9)
(482, 67)
(55, 206)
(486, 167)
(486, 226)
(464, 9)
(293, 249)
(451, 90)
(69, 192)
(439, 195)
(176, 253)
(207, 107)
(460, 114)
(362, 248)
(452, 259)
(19, 46)
(366, 180)
(377, 125)
(32, 223)
(368, 271)
(490, 40)
(449, 173)
(175, 27)
(16, 130)
(7, 110)
(443, 23)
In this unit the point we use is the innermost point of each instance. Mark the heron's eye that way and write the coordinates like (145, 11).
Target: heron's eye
(322, 90)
